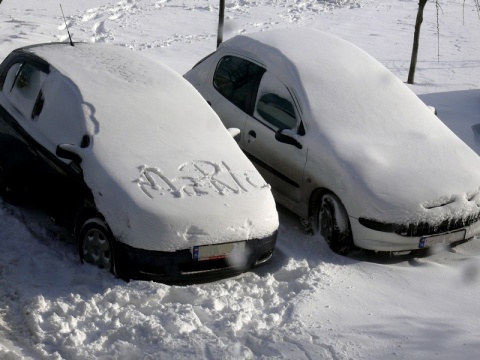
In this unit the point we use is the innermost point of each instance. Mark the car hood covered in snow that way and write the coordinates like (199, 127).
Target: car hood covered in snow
(163, 170)
(378, 146)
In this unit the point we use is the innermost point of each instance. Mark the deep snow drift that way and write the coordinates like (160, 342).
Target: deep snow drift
(308, 303)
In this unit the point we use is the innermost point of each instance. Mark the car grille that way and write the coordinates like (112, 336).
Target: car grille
(422, 229)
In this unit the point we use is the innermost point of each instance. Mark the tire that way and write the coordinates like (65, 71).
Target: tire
(338, 238)
(96, 245)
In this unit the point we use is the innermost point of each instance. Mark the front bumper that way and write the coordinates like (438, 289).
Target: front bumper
(389, 238)
(180, 267)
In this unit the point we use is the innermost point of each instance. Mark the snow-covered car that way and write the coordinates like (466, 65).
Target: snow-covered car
(342, 141)
(128, 156)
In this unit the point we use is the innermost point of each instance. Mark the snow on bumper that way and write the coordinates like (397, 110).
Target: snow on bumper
(370, 239)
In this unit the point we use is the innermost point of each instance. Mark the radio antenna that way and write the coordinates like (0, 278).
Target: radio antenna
(68, 32)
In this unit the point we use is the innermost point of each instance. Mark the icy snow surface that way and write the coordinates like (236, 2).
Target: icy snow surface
(307, 303)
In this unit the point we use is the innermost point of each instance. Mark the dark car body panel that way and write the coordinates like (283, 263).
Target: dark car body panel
(180, 267)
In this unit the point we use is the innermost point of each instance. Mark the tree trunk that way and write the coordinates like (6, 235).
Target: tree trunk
(416, 40)
(220, 22)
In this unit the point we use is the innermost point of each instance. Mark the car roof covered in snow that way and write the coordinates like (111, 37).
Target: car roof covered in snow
(159, 161)
(369, 122)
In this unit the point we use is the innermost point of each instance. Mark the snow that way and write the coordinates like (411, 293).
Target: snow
(307, 303)
(365, 131)
(150, 132)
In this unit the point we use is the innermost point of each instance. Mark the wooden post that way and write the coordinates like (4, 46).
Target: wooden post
(416, 41)
(221, 16)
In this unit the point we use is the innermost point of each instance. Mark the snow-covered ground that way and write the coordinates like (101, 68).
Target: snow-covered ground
(307, 303)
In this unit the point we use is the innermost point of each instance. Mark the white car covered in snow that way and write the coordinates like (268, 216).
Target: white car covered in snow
(126, 153)
(342, 141)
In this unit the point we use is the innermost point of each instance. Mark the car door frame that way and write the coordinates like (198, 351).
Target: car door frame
(289, 190)
(37, 153)
(248, 113)
(209, 87)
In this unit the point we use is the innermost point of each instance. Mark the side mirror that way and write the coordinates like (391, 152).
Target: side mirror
(283, 137)
(68, 151)
(235, 133)
(433, 109)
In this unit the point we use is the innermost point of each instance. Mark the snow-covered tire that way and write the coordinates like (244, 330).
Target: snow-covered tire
(96, 244)
(333, 224)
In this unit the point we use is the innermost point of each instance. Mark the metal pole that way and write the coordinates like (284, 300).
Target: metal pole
(221, 16)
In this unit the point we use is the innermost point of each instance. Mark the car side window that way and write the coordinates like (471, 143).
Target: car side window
(275, 104)
(23, 88)
(235, 78)
(11, 77)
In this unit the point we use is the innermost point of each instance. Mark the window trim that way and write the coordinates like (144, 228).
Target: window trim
(264, 114)
(299, 127)
(250, 101)
(19, 56)
(37, 66)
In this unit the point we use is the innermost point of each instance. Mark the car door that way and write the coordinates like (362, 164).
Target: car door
(21, 83)
(235, 79)
(281, 164)
(60, 120)
(26, 143)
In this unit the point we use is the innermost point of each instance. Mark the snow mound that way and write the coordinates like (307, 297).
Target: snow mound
(229, 319)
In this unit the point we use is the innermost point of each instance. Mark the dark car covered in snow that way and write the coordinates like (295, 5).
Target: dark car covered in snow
(127, 155)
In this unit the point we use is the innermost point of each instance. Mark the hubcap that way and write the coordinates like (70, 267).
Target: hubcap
(96, 249)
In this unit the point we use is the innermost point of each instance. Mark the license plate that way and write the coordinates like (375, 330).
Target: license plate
(217, 251)
(448, 238)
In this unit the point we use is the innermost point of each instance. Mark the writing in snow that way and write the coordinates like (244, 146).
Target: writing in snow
(199, 178)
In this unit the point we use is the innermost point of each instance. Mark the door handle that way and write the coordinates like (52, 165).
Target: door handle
(251, 134)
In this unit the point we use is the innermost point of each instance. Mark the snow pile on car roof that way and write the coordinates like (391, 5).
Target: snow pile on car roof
(164, 171)
(375, 133)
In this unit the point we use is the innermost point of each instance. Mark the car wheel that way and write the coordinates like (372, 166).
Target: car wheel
(96, 244)
(333, 225)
